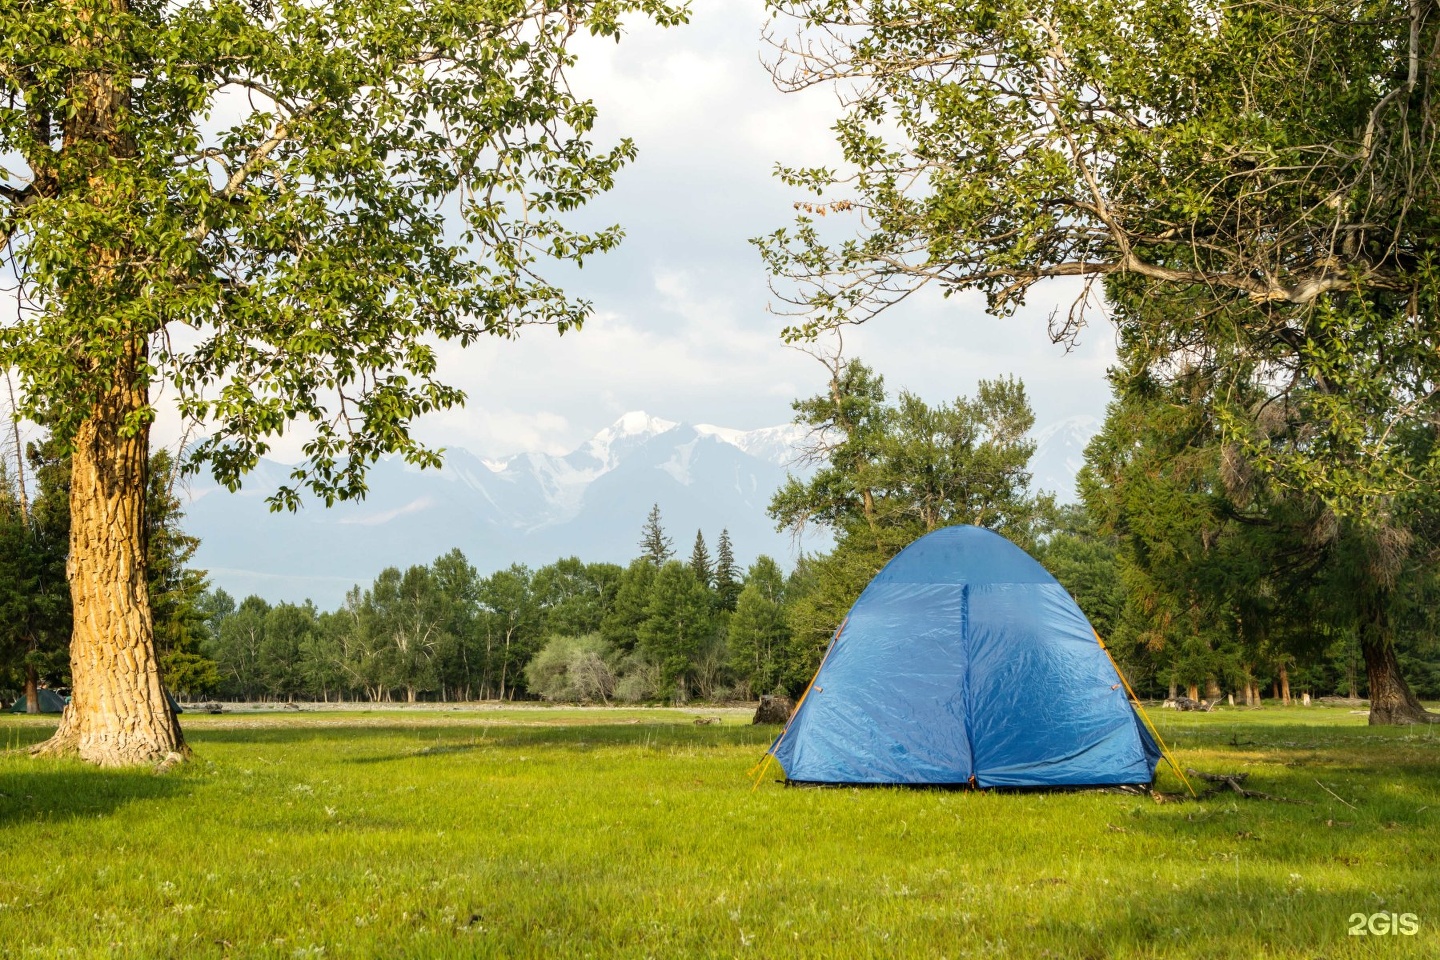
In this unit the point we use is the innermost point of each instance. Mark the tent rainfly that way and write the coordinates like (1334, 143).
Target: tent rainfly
(965, 663)
(50, 702)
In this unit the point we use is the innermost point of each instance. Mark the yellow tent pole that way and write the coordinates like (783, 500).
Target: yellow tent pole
(1164, 750)
(770, 753)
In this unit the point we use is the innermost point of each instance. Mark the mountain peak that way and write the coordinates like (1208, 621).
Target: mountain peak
(634, 428)
(1081, 427)
(636, 423)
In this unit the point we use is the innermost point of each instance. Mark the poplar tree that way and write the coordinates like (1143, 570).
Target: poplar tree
(1272, 163)
(273, 210)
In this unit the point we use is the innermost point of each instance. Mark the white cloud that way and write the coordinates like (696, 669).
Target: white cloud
(681, 328)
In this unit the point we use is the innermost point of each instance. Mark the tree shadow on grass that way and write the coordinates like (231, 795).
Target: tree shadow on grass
(572, 739)
(57, 790)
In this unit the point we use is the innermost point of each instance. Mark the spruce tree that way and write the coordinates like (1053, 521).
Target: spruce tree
(620, 627)
(654, 545)
(34, 597)
(700, 561)
(175, 588)
(727, 584)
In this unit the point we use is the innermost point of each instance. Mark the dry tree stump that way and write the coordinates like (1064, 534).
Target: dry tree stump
(774, 710)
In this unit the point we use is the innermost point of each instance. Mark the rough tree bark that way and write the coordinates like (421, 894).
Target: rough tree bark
(118, 713)
(1392, 703)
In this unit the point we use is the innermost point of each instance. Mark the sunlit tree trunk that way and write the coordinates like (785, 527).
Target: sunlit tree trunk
(32, 689)
(118, 713)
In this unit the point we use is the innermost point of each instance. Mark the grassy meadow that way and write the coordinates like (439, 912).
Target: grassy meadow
(538, 832)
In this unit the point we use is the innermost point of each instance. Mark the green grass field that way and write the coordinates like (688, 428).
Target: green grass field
(534, 832)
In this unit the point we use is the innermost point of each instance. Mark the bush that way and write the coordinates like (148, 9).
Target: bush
(573, 669)
(640, 680)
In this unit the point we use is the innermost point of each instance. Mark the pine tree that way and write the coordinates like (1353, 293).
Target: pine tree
(700, 561)
(654, 545)
(727, 584)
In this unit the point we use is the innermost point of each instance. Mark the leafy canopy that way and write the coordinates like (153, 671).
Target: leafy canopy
(1273, 163)
(286, 205)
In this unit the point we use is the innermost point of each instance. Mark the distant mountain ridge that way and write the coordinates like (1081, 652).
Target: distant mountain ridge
(529, 508)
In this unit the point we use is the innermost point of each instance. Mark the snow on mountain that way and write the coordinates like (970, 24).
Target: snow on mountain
(532, 508)
(607, 447)
(778, 445)
(529, 508)
(1059, 455)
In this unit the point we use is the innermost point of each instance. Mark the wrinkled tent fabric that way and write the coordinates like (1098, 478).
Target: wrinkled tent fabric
(965, 662)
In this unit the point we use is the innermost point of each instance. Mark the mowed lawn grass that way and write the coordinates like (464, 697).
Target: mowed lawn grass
(533, 832)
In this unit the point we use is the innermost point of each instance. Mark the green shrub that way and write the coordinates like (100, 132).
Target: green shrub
(573, 669)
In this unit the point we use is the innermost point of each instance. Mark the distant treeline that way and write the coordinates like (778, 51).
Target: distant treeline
(659, 629)
(1200, 577)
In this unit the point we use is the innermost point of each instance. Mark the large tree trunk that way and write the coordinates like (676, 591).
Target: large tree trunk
(32, 689)
(1391, 701)
(118, 713)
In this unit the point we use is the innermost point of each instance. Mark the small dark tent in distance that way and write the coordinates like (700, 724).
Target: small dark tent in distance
(965, 663)
(49, 700)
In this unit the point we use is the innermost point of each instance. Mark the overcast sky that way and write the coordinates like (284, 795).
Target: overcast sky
(681, 328)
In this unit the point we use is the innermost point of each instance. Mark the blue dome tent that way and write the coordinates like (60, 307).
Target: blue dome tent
(965, 662)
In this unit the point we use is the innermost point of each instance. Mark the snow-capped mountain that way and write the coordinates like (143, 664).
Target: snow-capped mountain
(782, 445)
(1059, 455)
(532, 508)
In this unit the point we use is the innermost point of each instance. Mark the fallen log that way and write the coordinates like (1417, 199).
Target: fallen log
(1233, 781)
